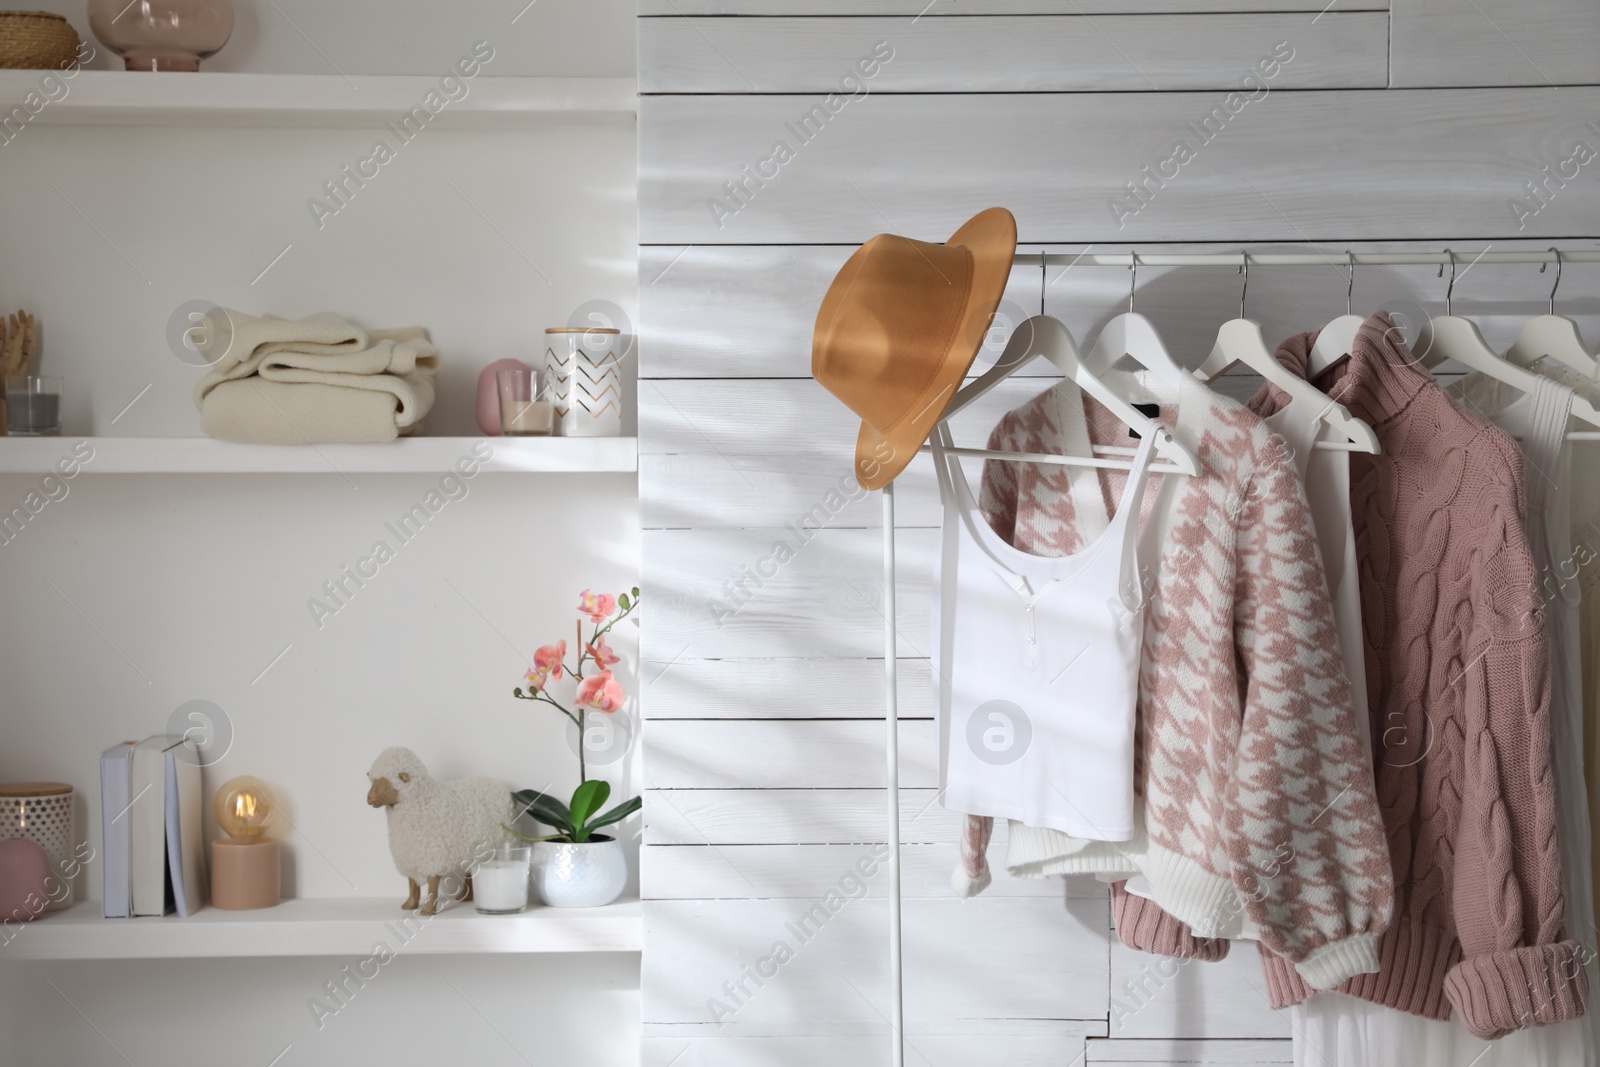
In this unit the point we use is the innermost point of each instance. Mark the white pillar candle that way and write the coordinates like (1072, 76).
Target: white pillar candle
(501, 885)
(526, 418)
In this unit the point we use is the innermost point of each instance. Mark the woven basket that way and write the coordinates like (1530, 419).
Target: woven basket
(36, 40)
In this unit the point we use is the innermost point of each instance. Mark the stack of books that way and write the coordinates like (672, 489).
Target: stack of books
(150, 828)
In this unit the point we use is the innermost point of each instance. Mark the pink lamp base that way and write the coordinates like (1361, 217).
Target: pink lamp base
(244, 877)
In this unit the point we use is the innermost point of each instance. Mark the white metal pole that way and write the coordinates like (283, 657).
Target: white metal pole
(891, 717)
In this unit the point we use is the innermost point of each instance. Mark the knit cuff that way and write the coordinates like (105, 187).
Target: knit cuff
(1336, 961)
(1143, 925)
(1207, 902)
(1497, 992)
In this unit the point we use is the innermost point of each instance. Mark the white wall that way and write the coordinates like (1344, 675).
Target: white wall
(137, 593)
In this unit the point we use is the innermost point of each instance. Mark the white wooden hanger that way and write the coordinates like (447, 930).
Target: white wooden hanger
(1337, 339)
(1047, 336)
(1554, 337)
(1044, 335)
(1131, 335)
(1449, 337)
(1240, 341)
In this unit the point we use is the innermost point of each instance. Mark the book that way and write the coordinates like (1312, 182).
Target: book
(185, 855)
(115, 801)
(147, 847)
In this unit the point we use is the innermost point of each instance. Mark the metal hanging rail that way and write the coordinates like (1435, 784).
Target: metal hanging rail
(1297, 259)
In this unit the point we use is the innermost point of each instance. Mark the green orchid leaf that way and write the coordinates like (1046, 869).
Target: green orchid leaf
(587, 799)
(616, 814)
(545, 808)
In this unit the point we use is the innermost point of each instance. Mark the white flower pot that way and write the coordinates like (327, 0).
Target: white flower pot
(589, 875)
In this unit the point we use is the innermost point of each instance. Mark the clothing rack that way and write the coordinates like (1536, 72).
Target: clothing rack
(1131, 259)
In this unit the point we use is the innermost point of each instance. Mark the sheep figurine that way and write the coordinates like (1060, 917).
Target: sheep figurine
(436, 829)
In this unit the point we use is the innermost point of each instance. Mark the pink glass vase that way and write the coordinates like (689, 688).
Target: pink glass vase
(162, 34)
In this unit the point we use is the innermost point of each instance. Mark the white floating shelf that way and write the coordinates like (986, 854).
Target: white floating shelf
(429, 455)
(325, 927)
(132, 98)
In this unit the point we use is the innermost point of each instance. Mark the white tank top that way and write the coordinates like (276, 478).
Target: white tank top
(1037, 663)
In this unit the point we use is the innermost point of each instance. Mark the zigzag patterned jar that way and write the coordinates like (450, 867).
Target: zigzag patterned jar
(585, 380)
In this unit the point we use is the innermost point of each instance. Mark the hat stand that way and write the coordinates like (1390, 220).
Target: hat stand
(891, 719)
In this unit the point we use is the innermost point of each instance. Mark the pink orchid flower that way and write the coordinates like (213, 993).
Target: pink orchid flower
(546, 664)
(601, 692)
(601, 652)
(598, 606)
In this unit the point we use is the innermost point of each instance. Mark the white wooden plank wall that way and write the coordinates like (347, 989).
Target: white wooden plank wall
(1414, 129)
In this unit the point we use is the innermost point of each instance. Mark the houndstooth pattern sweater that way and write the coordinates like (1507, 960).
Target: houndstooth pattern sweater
(1251, 775)
(1459, 688)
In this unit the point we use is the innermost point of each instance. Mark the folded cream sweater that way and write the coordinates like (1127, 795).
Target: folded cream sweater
(316, 380)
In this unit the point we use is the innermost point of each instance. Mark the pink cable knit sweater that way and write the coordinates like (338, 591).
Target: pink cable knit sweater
(1459, 691)
(1251, 775)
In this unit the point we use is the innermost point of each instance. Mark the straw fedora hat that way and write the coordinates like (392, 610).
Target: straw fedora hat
(899, 329)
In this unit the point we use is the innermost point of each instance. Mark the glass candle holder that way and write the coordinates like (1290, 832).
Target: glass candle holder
(524, 409)
(500, 883)
(33, 406)
(162, 34)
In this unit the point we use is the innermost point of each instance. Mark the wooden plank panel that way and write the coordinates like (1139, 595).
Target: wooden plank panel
(782, 689)
(1036, 960)
(794, 816)
(786, 754)
(779, 417)
(1496, 42)
(1163, 997)
(825, 601)
(705, 1047)
(771, 488)
(1173, 1052)
(1383, 162)
(765, 452)
(717, 311)
(963, 8)
(747, 312)
(1070, 53)
(930, 1043)
(703, 872)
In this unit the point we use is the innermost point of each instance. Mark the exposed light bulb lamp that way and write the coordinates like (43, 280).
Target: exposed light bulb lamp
(244, 865)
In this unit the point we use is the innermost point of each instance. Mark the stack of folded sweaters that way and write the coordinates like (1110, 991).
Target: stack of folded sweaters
(319, 380)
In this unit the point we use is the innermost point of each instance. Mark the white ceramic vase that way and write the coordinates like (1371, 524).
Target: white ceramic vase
(587, 875)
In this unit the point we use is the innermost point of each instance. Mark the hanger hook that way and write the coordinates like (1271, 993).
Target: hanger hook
(1449, 291)
(1557, 285)
(1244, 287)
(1133, 278)
(1041, 281)
(1350, 281)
